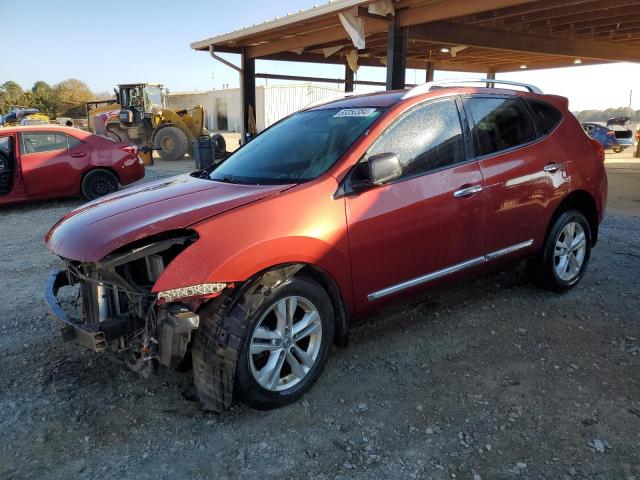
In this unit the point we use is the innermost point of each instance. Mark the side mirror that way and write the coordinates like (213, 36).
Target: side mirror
(376, 170)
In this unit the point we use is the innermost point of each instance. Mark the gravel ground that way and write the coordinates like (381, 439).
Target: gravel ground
(492, 379)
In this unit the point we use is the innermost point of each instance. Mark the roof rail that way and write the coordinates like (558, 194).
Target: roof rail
(489, 83)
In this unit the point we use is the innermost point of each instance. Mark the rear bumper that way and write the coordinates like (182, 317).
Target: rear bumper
(91, 336)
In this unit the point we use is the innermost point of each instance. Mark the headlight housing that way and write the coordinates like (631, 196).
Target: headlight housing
(199, 290)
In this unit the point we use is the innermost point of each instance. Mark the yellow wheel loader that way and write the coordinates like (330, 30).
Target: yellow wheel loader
(139, 115)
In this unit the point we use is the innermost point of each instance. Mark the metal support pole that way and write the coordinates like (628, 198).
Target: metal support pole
(430, 71)
(348, 79)
(248, 94)
(396, 55)
(491, 76)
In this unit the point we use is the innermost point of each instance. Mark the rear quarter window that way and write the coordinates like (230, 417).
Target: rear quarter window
(546, 115)
(500, 124)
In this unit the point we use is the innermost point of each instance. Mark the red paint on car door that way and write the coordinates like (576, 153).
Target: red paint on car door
(52, 163)
(525, 177)
(416, 226)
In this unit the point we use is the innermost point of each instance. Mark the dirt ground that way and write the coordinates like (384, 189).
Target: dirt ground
(493, 379)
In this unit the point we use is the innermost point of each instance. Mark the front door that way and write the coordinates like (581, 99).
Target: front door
(429, 224)
(7, 163)
(52, 163)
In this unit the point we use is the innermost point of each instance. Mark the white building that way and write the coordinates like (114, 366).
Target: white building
(223, 107)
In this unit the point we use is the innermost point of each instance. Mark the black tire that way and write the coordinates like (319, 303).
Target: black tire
(98, 183)
(543, 267)
(171, 142)
(617, 149)
(210, 378)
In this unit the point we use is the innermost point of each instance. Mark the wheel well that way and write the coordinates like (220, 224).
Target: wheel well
(93, 169)
(281, 272)
(584, 203)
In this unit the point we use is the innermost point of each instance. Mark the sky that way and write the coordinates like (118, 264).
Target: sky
(120, 41)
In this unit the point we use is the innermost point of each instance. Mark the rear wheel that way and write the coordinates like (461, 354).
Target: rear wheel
(617, 149)
(171, 142)
(566, 252)
(98, 183)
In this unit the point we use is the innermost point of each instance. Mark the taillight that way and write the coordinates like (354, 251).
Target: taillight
(131, 149)
(611, 133)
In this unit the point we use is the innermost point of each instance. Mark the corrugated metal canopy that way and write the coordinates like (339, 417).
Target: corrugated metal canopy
(486, 35)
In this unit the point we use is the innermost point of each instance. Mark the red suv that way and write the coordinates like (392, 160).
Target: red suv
(252, 268)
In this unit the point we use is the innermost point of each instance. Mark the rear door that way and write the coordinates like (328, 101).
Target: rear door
(427, 225)
(523, 167)
(52, 163)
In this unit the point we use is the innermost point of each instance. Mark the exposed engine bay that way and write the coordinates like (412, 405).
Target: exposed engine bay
(109, 305)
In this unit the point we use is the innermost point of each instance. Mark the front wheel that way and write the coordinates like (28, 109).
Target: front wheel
(98, 183)
(171, 142)
(566, 252)
(617, 149)
(285, 347)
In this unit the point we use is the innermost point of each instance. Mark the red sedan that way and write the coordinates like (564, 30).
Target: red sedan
(49, 161)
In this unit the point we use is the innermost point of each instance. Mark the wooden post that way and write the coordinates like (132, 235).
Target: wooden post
(396, 54)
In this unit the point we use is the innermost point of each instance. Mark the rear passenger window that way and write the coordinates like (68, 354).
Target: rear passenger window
(44, 142)
(427, 138)
(548, 116)
(500, 124)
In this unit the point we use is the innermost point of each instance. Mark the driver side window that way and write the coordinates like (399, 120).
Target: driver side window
(425, 139)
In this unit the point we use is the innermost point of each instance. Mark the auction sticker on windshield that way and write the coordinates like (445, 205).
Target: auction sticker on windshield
(355, 112)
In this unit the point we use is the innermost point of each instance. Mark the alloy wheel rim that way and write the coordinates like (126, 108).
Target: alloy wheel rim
(285, 344)
(570, 250)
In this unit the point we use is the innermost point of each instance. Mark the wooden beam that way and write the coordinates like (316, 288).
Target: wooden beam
(497, 13)
(457, 34)
(633, 16)
(443, 9)
(568, 16)
(609, 28)
(447, 9)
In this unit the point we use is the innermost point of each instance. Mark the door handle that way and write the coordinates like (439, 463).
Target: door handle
(468, 191)
(552, 167)
(78, 155)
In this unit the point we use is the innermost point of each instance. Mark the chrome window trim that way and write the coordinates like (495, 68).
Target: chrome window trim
(448, 270)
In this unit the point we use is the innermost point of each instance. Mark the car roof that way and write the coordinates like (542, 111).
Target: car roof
(50, 127)
(394, 97)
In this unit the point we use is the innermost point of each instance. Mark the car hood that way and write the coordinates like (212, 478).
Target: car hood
(96, 229)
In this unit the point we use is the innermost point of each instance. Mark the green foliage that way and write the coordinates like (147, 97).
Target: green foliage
(70, 97)
(65, 99)
(42, 98)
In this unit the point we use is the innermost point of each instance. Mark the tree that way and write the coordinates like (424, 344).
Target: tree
(11, 94)
(42, 98)
(70, 96)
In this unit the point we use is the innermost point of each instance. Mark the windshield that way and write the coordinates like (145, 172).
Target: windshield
(153, 97)
(297, 149)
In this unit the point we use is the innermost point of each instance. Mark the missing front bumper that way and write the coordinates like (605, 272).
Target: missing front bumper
(91, 336)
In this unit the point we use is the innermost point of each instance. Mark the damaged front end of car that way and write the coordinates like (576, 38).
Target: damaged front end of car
(110, 304)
